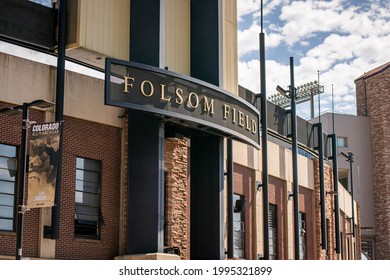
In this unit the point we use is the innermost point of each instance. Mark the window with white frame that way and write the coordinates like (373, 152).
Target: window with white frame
(7, 186)
(87, 198)
(342, 141)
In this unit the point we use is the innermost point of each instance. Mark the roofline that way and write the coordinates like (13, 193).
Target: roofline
(374, 72)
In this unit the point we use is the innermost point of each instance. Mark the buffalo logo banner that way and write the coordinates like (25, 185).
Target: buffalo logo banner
(42, 165)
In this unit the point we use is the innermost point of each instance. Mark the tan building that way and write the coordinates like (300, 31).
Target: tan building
(353, 136)
(144, 185)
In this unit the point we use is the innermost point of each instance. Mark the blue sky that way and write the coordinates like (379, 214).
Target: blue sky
(341, 39)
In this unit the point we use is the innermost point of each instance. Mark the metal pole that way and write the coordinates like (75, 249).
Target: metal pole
(22, 180)
(295, 158)
(264, 142)
(230, 188)
(336, 191)
(350, 159)
(59, 114)
(324, 241)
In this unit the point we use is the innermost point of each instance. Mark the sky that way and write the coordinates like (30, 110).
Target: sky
(333, 41)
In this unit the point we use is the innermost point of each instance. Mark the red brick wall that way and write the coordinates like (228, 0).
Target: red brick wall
(372, 94)
(244, 184)
(97, 142)
(306, 205)
(11, 129)
(275, 196)
(278, 196)
(321, 253)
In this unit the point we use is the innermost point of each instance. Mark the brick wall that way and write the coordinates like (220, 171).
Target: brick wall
(372, 94)
(276, 193)
(330, 217)
(11, 129)
(97, 142)
(244, 184)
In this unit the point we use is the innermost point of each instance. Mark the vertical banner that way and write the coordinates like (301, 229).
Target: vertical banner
(43, 161)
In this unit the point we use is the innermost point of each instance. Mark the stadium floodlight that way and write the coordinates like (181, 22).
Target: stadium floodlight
(303, 93)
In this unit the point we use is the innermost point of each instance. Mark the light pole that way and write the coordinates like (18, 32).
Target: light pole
(22, 166)
(291, 94)
(349, 158)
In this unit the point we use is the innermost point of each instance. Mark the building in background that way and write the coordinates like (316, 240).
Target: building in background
(145, 183)
(353, 136)
(372, 89)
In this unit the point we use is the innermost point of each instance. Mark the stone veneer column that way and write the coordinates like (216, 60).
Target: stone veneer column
(177, 195)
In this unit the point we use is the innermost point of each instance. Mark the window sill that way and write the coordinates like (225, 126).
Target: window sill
(86, 239)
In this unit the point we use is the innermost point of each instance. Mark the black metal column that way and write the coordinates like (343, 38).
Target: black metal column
(230, 192)
(294, 159)
(207, 198)
(264, 140)
(145, 219)
(145, 32)
(145, 215)
(352, 194)
(22, 182)
(207, 166)
(59, 114)
(333, 157)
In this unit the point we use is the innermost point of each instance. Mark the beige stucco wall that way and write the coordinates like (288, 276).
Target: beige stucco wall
(24, 80)
(176, 35)
(104, 27)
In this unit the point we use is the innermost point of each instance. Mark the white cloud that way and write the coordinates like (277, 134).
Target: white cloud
(345, 39)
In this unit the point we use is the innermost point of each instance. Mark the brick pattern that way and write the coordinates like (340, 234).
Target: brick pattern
(372, 100)
(10, 127)
(244, 184)
(322, 254)
(276, 194)
(97, 142)
(177, 195)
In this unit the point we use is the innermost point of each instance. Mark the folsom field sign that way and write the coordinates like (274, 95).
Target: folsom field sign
(165, 93)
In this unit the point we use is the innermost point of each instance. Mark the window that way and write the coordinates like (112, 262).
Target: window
(273, 232)
(302, 236)
(47, 3)
(87, 198)
(368, 248)
(344, 177)
(7, 186)
(238, 227)
(342, 142)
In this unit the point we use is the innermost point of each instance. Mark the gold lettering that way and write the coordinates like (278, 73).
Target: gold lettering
(179, 97)
(254, 126)
(128, 83)
(234, 115)
(226, 109)
(190, 104)
(208, 107)
(151, 88)
(163, 94)
(241, 119)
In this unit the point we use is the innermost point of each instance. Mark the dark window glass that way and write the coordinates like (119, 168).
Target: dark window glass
(238, 230)
(87, 198)
(273, 232)
(7, 186)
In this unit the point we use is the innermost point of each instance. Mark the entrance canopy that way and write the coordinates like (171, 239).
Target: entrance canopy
(182, 99)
